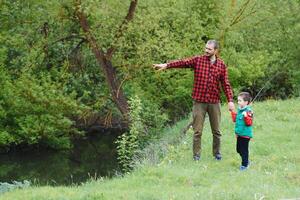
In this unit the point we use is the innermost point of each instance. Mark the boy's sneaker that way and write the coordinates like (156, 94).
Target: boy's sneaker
(218, 156)
(243, 168)
(196, 157)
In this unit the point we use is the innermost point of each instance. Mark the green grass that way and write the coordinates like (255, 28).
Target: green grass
(274, 172)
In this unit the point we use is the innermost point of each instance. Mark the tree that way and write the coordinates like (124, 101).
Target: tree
(104, 59)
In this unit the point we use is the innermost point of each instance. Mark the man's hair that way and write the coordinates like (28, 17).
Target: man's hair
(215, 43)
(246, 96)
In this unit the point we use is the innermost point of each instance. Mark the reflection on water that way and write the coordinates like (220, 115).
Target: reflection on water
(91, 157)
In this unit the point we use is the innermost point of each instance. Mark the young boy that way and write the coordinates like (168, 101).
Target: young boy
(243, 127)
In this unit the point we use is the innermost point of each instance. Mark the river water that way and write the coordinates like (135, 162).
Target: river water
(91, 157)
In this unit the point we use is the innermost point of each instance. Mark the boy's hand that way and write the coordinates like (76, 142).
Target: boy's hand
(233, 116)
(245, 114)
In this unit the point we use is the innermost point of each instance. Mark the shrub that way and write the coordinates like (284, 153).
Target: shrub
(36, 111)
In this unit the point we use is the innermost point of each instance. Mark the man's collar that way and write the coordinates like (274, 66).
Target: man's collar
(208, 58)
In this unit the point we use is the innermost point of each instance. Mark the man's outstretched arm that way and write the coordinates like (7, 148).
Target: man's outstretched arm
(184, 63)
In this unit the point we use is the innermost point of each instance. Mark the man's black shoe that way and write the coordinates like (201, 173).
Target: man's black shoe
(218, 156)
(196, 157)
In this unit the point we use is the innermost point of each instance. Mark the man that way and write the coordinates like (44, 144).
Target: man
(209, 72)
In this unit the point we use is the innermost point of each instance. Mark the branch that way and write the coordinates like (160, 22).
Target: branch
(122, 27)
(78, 46)
(245, 16)
(121, 84)
(86, 29)
(240, 13)
(232, 6)
(251, 12)
(224, 26)
(240, 16)
(69, 37)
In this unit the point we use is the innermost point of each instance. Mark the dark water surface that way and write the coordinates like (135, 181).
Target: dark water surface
(91, 157)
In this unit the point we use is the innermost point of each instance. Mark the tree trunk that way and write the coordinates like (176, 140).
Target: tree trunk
(116, 89)
(108, 69)
(111, 77)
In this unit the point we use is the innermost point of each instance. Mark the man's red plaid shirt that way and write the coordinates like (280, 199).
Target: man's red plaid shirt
(207, 78)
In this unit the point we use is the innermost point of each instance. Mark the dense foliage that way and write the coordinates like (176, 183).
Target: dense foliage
(50, 78)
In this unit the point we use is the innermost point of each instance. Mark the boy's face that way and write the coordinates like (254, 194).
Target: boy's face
(241, 102)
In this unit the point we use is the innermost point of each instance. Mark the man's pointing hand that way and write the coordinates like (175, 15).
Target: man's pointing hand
(160, 67)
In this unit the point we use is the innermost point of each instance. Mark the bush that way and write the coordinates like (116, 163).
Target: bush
(128, 143)
(36, 111)
(146, 122)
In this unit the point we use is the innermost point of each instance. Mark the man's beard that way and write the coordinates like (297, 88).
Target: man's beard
(209, 54)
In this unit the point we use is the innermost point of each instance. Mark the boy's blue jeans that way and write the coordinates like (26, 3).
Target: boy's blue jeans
(242, 147)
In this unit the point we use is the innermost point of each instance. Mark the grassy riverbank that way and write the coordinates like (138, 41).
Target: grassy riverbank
(274, 172)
